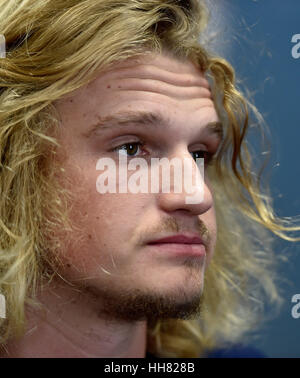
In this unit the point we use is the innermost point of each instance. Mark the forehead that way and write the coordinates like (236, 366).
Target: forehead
(157, 82)
(164, 67)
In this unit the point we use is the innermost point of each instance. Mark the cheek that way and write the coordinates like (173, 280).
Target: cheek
(103, 225)
(210, 222)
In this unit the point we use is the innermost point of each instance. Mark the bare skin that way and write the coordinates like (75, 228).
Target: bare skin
(118, 280)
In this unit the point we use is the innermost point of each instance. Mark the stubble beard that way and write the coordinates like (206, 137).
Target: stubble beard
(138, 304)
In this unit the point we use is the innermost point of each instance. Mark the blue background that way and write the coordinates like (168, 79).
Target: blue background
(256, 38)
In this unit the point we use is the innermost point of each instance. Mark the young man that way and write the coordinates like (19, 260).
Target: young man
(87, 273)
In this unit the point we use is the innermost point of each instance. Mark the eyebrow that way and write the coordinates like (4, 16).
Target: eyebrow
(143, 118)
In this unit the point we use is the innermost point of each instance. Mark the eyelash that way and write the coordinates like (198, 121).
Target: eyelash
(209, 160)
(141, 144)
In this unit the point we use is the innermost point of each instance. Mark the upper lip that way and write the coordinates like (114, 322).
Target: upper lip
(180, 239)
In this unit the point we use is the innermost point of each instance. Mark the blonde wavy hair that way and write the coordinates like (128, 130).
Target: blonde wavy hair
(57, 46)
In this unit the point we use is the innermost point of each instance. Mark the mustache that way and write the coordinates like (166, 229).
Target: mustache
(171, 225)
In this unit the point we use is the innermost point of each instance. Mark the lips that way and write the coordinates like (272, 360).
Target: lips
(179, 246)
(178, 239)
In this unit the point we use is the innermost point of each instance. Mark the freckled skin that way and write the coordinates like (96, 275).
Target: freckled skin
(114, 222)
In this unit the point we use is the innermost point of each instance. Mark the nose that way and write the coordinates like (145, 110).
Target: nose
(193, 178)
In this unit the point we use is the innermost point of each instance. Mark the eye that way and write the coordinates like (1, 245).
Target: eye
(207, 156)
(130, 149)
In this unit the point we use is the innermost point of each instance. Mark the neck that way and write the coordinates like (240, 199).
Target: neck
(69, 326)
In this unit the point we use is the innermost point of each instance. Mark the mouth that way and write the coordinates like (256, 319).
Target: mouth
(179, 239)
(179, 245)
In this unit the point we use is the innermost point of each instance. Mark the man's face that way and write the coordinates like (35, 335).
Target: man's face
(110, 254)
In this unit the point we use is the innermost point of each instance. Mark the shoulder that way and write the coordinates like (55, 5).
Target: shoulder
(236, 351)
(231, 351)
